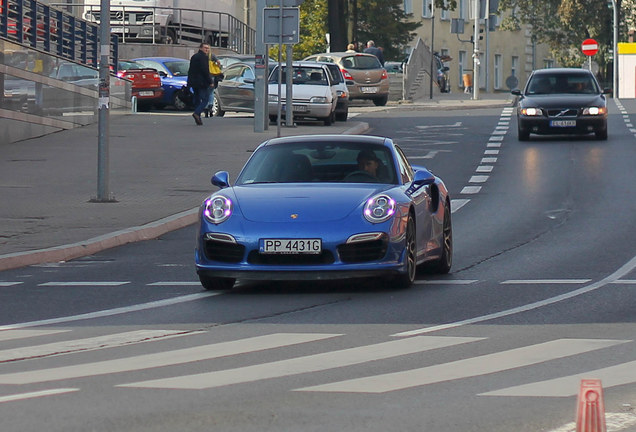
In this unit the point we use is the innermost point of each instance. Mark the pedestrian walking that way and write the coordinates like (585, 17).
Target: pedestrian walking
(351, 48)
(217, 75)
(200, 80)
(372, 49)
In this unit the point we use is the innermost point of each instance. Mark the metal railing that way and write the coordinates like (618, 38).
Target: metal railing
(171, 25)
(51, 30)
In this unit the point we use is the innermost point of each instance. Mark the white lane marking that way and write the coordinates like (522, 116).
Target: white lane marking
(193, 283)
(478, 179)
(499, 132)
(569, 385)
(7, 335)
(493, 145)
(491, 152)
(625, 281)
(430, 155)
(299, 365)
(90, 344)
(488, 160)
(8, 284)
(456, 204)
(103, 283)
(496, 138)
(614, 422)
(622, 271)
(457, 124)
(475, 366)
(166, 358)
(484, 168)
(111, 312)
(31, 395)
(446, 282)
(544, 281)
(471, 189)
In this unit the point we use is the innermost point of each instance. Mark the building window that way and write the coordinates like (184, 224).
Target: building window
(427, 9)
(445, 13)
(463, 9)
(514, 66)
(408, 6)
(498, 76)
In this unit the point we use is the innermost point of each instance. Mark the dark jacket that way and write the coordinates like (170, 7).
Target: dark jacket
(199, 71)
(376, 52)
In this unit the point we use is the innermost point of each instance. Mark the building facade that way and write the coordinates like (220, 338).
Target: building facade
(506, 57)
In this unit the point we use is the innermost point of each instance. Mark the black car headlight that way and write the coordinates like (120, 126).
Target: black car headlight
(531, 111)
(217, 209)
(379, 208)
(594, 111)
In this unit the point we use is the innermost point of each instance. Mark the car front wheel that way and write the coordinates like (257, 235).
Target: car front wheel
(406, 279)
(522, 135)
(216, 108)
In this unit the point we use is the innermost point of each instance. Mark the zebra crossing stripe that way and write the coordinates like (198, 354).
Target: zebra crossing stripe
(89, 344)
(466, 368)
(166, 358)
(31, 395)
(569, 386)
(299, 365)
(7, 335)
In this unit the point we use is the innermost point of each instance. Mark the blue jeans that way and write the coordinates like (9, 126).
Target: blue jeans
(201, 97)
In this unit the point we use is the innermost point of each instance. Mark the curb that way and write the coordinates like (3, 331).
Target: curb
(94, 245)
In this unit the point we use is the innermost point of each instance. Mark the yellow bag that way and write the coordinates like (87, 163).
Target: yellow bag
(214, 68)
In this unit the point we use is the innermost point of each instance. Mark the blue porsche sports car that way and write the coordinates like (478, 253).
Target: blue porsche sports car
(318, 207)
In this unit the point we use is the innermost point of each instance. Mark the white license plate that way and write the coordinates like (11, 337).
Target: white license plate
(300, 108)
(119, 30)
(369, 89)
(146, 93)
(290, 246)
(563, 123)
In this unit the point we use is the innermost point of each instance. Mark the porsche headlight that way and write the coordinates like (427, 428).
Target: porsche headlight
(379, 208)
(318, 99)
(594, 111)
(531, 111)
(217, 209)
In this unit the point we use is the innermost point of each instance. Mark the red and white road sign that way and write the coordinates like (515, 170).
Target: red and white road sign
(589, 47)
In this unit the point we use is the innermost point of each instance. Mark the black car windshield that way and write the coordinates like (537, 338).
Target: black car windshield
(562, 84)
(319, 162)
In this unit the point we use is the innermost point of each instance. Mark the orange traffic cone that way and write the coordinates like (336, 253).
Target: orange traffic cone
(590, 412)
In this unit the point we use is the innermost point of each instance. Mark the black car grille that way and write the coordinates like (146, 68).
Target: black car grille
(363, 251)
(224, 251)
(254, 257)
(563, 112)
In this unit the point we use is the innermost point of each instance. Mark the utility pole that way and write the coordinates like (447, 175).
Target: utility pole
(476, 52)
(103, 174)
(433, 74)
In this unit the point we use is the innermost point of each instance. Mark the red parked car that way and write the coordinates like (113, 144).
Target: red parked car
(146, 82)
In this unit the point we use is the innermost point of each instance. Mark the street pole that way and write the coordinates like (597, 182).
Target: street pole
(615, 52)
(260, 72)
(433, 74)
(103, 188)
(476, 52)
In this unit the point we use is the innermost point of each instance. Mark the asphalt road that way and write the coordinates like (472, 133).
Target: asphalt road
(541, 295)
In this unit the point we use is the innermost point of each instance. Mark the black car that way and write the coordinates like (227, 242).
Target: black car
(561, 101)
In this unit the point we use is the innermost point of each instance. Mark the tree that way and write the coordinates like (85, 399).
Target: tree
(386, 23)
(313, 28)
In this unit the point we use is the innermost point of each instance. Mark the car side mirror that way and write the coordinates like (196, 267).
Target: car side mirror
(445, 68)
(163, 74)
(423, 177)
(516, 92)
(249, 80)
(607, 91)
(221, 179)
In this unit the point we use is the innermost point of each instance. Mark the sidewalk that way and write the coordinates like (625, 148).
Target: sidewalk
(160, 165)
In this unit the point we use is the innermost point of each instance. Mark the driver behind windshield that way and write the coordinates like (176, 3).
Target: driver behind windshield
(369, 162)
